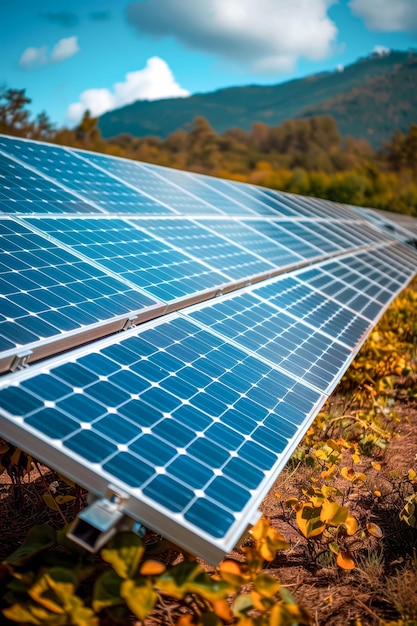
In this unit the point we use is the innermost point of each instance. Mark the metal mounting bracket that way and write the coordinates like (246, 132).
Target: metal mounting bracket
(99, 521)
(21, 360)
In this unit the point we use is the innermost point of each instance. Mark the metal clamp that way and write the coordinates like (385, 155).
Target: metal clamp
(21, 360)
(99, 521)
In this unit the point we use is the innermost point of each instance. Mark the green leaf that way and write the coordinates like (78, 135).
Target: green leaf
(242, 605)
(124, 553)
(266, 585)
(50, 502)
(210, 619)
(286, 596)
(38, 539)
(176, 581)
(139, 596)
(188, 577)
(107, 591)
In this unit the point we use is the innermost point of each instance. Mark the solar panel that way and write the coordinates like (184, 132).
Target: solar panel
(148, 181)
(190, 426)
(105, 191)
(172, 335)
(47, 292)
(24, 191)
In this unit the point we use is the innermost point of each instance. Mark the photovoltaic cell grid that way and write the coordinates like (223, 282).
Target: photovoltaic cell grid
(24, 191)
(205, 240)
(148, 181)
(199, 189)
(183, 420)
(76, 174)
(46, 291)
(135, 256)
(194, 414)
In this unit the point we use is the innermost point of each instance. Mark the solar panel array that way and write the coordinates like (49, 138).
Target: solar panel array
(174, 334)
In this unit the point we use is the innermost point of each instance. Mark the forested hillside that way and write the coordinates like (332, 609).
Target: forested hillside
(301, 156)
(368, 99)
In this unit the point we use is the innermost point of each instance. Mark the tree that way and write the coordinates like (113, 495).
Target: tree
(14, 117)
(87, 131)
(42, 127)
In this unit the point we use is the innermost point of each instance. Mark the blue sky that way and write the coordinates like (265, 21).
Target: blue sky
(102, 54)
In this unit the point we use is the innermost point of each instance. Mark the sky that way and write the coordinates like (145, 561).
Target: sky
(70, 55)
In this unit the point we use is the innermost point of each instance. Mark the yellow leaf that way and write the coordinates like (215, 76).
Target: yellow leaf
(231, 572)
(139, 597)
(330, 472)
(359, 478)
(345, 560)
(332, 513)
(348, 473)
(412, 475)
(351, 525)
(222, 609)
(374, 530)
(291, 502)
(185, 620)
(152, 568)
(376, 466)
(377, 493)
(124, 553)
(333, 445)
(309, 522)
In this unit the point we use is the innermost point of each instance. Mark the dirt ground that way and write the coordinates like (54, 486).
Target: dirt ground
(333, 596)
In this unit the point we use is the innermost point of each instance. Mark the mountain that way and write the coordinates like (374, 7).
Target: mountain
(368, 99)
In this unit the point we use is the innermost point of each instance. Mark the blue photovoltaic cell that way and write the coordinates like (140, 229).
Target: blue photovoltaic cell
(362, 233)
(234, 191)
(205, 245)
(266, 247)
(279, 208)
(146, 262)
(24, 191)
(45, 290)
(361, 282)
(399, 257)
(282, 233)
(285, 341)
(200, 190)
(196, 431)
(294, 206)
(314, 308)
(310, 207)
(80, 176)
(310, 233)
(259, 202)
(149, 182)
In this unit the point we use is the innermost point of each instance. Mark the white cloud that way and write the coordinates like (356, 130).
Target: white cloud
(34, 57)
(154, 82)
(267, 36)
(387, 15)
(62, 50)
